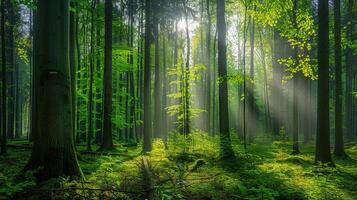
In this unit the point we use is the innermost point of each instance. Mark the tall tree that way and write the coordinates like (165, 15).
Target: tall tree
(73, 61)
(295, 88)
(225, 140)
(107, 142)
(186, 79)
(3, 78)
(349, 69)
(53, 150)
(339, 149)
(157, 85)
(209, 70)
(91, 75)
(147, 79)
(322, 153)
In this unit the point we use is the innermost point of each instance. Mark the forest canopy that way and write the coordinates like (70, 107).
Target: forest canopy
(178, 99)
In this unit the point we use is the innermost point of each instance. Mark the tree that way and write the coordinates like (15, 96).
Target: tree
(295, 90)
(147, 79)
(339, 149)
(73, 61)
(53, 149)
(209, 70)
(157, 87)
(322, 153)
(3, 78)
(186, 77)
(225, 141)
(349, 70)
(107, 142)
(91, 72)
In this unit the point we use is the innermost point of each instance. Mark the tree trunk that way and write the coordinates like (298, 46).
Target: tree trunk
(322, 153)
(91, 72)
(53, 150)
(147, 81)
(186, 85)
(11, 68)
(73, 62)
(339, 146)
(225, 141)
(108, 91)
(4, 85)
(209, 70)
(349, 71)
(157, 85)
(295, 90)
(98, 105)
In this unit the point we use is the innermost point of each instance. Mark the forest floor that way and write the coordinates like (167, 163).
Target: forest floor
(190, 169)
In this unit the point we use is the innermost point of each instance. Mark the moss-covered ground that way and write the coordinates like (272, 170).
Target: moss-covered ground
(190, 169)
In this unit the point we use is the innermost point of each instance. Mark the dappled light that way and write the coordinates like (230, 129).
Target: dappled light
(178, 99)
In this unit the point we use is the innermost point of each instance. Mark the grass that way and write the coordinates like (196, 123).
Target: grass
(191, 169)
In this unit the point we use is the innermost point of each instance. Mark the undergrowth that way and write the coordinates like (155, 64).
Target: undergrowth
(190, 168)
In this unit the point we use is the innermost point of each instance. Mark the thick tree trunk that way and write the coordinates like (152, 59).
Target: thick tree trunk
(322, 153)
(226, 148)
(53, 149)
(108, 91)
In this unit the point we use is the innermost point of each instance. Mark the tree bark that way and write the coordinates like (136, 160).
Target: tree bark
(322, 153)
(3, 79)
(108, 91)
(157, 85)
(225, 141)
(339, 146)
(147, 79)
(53, 150)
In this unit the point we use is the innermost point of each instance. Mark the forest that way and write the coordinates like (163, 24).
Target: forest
(178, 99)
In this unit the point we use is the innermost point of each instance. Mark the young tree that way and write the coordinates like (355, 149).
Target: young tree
(226, 148)
(186, 77)
(53, 150)
(107, 142)
(339, 149)
(147, 79)
(322, 153)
